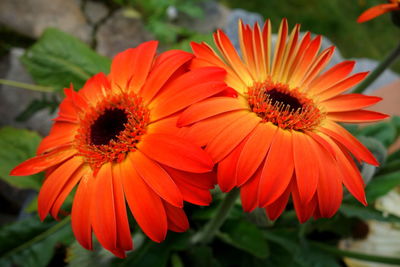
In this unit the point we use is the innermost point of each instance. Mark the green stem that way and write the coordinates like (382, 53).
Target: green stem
(210, 229)
(356, 255)
(39, 237)
(27, 86)
(389, 60)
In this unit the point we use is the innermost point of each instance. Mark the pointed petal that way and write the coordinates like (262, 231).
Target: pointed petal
(62, 133)
(162, 71)
(177, 220)
(331, 77)
(54, 183)
(249, 192)
(357, 116)
(376, 11)
(94, 88)
(232, 135)
(342, 136)
(209, 108)
(227, 168)
(350, 102)
(176, 152)
(254, 151)
(275, 209)
(156, 178)
(274, 178)
(303, 211)
(341, 86)
(131, 67)
(145, 204)
(279, 49)
(203, 132)
(124, 239)
(201, 180)
(81, 212)
(329, 190)
(72, 181)
(103, 216)
(304, 165)
(43, 162)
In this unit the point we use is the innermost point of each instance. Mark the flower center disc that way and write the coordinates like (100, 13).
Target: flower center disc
(111, 129)
(286, 108)
(108, 126)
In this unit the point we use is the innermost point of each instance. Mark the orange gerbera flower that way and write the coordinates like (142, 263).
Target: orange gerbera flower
(279, 135)
(373, 12)
(116, 138)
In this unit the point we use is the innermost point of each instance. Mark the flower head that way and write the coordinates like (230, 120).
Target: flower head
(373, 12)
(279, 135)
(116, 138)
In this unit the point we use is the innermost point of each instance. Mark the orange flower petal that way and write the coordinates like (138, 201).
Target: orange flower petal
(331, 77)
(303, 211)
(156, 178)
(93, 89)
(43, 162)
(61, 134)
(232, 135)
(104, 214)
(210, 107)
(342, 86)
(329, 191)
(133, 65)
(342, 136)
(176, 101)
(275, 178)
(356, 116)
(72, 181)
(275, 209)
(304, 165)
(254, 151)
(204, 131)
(249, 192)
(350, 102)
(226, 172)
(124, 239)
(145, 204)
(175, 152)
(54, 183)
(177, 220)
(81, 209)
(162, 70)
(376, 11)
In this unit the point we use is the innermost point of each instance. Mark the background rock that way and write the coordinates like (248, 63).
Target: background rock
(15, 100)
(31, 17)
(119, 33)
(95, 11)
(215, 16)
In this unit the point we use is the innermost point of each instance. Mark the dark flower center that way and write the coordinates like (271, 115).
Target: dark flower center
(281, 98)
(108, 126)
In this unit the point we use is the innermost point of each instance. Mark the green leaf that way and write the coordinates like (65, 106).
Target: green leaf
(297, 254)
(245, 236)
(155, 254)
(202, 256)
(367, 213)
(376, 147)
(59, 59)
(79, 256)
(31, 242)
(384, 132)
(381, 185)
(18, 145)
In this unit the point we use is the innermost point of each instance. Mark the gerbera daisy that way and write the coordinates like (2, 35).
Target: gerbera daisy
(373, 12)
(280, 135)
(116, 139)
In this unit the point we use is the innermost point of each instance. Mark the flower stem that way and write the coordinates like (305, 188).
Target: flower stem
(27, 86)
(356, 255)
(389, 60)
(207, 234)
